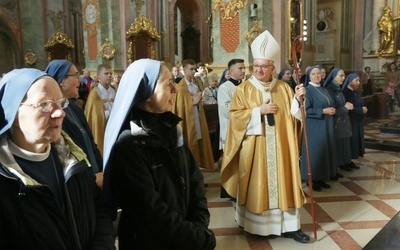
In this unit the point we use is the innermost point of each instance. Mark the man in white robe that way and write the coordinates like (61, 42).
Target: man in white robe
(237, 71)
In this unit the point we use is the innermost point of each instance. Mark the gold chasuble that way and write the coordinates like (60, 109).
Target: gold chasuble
(261, 165)
(94, 112)
(183, 107)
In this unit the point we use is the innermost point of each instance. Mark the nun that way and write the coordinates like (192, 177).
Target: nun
(320, 110)
(49, 198)
(149, 171)
(75, 124)
(333, 84)
(286, 75)
(350, 86)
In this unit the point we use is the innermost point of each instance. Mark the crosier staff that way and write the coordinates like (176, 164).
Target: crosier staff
(297, 45)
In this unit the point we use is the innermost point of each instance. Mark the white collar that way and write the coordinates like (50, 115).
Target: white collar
(27, 155)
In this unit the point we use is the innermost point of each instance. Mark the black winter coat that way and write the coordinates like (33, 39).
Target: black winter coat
(31, 219)
(77, 127)
(341, 118)
(159, 188)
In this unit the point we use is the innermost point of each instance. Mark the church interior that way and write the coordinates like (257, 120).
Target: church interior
(361, 209)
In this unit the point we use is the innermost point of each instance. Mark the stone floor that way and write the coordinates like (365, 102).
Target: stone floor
(361, 209)
(348, 216)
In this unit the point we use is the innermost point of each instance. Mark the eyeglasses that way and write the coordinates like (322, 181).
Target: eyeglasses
(263, 67)
(76, 75)
(47, 106)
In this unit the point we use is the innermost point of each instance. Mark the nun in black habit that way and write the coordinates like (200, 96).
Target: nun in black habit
(149, 171)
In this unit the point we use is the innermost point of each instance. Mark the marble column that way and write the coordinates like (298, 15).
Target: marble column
(358, 36)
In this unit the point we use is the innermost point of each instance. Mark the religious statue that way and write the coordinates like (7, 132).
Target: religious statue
(386, 29)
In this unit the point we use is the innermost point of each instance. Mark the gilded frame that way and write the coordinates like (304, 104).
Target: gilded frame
(141, 27)
(30, 58)
(107, 50)
(253, 33)
(295, 26)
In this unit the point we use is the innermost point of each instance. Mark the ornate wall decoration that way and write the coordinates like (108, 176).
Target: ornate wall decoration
(91, 16)
(56, 19)
(91, 21)
(30, 58)
(229, 15)
(58, 46)
(253, 33)
(142, 23)
(59, 38)
(325, 20)
(296, 28)
(141, 36)
(107, 50)
(138, 6)
(228, 9)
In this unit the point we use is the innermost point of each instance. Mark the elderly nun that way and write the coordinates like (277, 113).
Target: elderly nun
(149, 171)
(320, 110)
(75, 123)
(49, 199)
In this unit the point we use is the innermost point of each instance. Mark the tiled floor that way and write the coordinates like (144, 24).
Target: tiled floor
(348, 216)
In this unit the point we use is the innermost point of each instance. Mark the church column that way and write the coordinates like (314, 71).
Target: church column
(32, 35)
(358, 34)
(164, 32)
(279, 32)
(153, 12)
(345, 40)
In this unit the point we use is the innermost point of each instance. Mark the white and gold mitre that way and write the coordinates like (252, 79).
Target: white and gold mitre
(265, 47)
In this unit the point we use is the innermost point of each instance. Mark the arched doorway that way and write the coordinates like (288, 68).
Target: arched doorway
(188, 24)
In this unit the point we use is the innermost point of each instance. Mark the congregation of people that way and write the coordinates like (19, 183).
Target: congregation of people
(77, 149)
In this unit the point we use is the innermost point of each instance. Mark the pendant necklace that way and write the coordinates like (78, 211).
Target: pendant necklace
(324, 95)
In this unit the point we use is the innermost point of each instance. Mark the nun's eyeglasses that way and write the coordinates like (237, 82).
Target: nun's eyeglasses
(47, 106)
(75, 75)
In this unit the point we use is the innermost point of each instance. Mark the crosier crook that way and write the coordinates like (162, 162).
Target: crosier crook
(297, 45)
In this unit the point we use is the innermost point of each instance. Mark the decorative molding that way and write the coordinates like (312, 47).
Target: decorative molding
(138, 6)
(142, 24)
(107, 50)
(91, 16)
(56, 19)
(229, 23)
(325, 20)
(253, 33)
(228, 9)
(59, 38)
